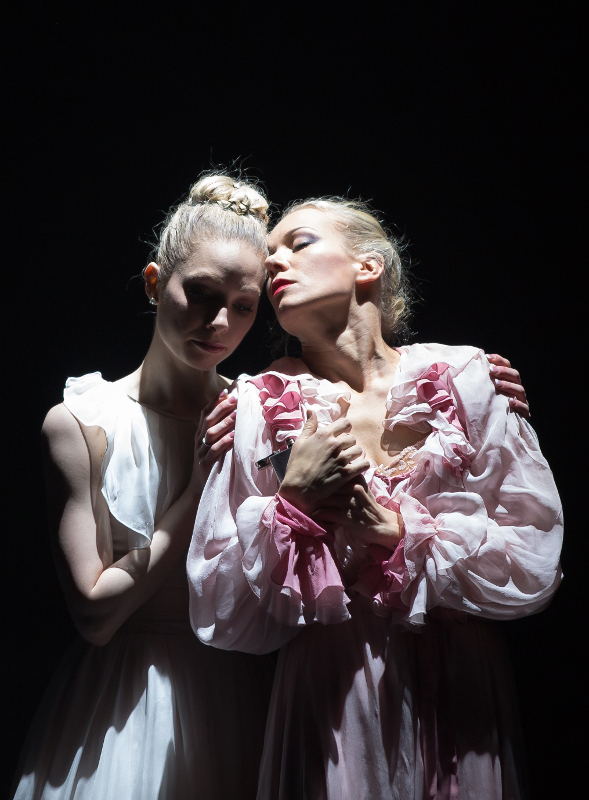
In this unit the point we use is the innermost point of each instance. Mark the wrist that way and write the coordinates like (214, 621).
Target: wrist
(389, 531)
(294, 496)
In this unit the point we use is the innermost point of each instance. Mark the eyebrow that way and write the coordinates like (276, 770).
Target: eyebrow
(210, 276)
(272, 250)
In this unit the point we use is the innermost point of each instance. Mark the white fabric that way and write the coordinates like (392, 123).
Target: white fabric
(144, 465)
(486, 543)
(369, 708)
(154, 713)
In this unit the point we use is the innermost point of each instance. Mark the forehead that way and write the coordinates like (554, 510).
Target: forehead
(305, 218)
(230, 261)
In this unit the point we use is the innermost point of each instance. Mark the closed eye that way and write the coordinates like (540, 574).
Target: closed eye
(300, 246)
(244, 309)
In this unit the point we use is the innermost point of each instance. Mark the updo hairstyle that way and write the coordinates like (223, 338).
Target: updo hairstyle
(363, 233)
(217, 207)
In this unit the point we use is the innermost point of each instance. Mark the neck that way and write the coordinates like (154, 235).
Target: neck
(357, 355)
(166, 384)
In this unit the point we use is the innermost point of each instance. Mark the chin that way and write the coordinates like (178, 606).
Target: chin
(202, 362)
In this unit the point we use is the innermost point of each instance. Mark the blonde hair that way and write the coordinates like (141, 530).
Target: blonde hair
(364, 233)
(217, 207)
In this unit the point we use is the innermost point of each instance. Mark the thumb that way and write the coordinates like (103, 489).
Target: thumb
(310, 425)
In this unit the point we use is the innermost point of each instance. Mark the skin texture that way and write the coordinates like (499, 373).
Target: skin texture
(329, 299)
(211, 298)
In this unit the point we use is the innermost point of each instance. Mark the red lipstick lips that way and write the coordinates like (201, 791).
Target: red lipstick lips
(278, 285)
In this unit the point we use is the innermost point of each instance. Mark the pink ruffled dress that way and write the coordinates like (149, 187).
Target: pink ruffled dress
(392, 681)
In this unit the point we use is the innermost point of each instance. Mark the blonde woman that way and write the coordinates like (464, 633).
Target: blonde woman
(140, 709)
(415, 510)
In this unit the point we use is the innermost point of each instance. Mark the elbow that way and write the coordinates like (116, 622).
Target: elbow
(96, 629)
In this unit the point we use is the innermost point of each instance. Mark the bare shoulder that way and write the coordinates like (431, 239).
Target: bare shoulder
(65, 445)
(60, 424)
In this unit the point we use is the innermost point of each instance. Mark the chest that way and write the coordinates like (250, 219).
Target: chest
(366, 413)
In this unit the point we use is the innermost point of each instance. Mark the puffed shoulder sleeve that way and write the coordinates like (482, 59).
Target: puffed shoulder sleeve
(258, 568)
(486, 538)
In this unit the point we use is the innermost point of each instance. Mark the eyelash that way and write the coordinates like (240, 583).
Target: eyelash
(200, 297)
(300, 246)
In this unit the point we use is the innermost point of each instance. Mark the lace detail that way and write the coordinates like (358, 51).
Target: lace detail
(403, 463)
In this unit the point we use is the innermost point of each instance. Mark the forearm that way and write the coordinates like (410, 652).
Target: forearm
(122, 587)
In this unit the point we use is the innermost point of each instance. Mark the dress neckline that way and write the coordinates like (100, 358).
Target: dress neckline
(123, 393)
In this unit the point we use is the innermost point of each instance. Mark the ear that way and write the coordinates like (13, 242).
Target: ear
(371, 267)
(151, 276)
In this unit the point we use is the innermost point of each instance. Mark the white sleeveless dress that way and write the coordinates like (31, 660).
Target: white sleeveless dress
(154, 714)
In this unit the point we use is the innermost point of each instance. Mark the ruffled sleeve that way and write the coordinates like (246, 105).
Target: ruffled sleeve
(482, 516)
(258, 568)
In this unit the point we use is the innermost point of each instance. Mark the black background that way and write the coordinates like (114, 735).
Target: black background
(461, 121)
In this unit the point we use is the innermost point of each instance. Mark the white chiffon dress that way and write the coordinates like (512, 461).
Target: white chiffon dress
(393, 680)
(154, 714)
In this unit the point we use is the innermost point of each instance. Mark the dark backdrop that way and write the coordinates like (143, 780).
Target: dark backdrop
(460, 120)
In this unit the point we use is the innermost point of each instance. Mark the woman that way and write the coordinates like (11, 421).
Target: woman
(414, 509)
(140, 708)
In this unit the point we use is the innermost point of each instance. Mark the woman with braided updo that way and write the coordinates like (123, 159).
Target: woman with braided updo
(140, 709)
(414, 510)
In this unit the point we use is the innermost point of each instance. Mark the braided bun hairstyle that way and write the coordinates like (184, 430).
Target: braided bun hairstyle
(362, 233)
(217, 207)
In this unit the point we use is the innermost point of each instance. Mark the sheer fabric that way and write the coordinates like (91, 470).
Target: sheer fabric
(404, 690)
(154, 714)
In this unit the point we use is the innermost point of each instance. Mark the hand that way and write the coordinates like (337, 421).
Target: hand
(321, 462)
(354, 508)
(214, 436)
(508, 382)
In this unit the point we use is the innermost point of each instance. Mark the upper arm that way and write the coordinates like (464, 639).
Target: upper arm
(76, 508)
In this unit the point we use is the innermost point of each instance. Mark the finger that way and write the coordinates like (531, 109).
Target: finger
(511, 389)
(520, 408)
(208, 455)
(351, 454)
(355, 468)
(505, 374)
(215, 432)
(330, 514)
(341, 425)
(213, 402)
(310, 425)
(343, 442)
(498, 360)
(222, 409)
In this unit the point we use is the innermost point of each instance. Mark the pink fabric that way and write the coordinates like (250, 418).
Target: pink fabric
(384, 577)
(370, 708)
(304, 562)
(281, 404)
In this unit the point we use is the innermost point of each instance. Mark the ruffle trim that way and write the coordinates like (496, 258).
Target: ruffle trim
(303, 567)
(284, 399)
(426, 404)
(302, 573)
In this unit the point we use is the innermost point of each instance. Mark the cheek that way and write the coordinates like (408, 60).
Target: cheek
(175, 312)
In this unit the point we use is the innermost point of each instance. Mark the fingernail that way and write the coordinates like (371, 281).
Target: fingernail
(223, 393)
(231, 434)
(493, 368)
(497, 382)
(232, 399)
(489, 356)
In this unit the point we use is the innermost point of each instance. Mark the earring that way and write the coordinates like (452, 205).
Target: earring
(152, 301)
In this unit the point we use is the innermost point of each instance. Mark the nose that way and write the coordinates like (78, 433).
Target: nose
(219, 322)
(277, 263)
